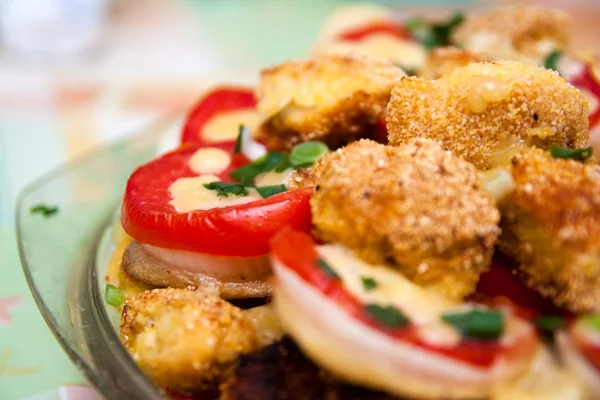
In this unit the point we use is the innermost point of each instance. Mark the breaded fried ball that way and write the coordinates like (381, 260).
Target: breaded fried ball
(415, 206)
(332, 98)
(524, 32)
(474, 110)
(551, 226)
(443, 60)
(185, 340)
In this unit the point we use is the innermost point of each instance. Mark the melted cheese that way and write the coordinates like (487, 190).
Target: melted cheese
(422, 307)
(483, 90)
(506, 149)
(209, 160)
(273, 178)
(405, 53)
(189, 194)
(541, 132)
(225, 126)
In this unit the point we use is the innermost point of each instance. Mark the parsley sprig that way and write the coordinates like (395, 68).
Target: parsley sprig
(44, 210)
(436, 34)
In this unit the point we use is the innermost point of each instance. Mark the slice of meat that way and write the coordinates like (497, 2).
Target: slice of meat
(142, 265)
(280, 371)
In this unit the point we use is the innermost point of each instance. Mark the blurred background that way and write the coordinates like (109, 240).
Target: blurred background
(75, 74)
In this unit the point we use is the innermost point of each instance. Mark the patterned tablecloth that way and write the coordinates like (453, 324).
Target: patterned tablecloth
(155, 58)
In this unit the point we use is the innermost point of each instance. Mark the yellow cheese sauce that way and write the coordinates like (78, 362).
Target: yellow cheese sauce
(483, 90)
(189, 194)
(273, 178)
(541, 132)
(225, 126)
(209, 160)
(115, 274)
(506, 149)
(422, 307)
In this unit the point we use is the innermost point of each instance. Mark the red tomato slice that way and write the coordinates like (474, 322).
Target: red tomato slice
(241, 230)
(390, 28)
(219, 100)
(501, 283)
(297, 251)
(586, 80)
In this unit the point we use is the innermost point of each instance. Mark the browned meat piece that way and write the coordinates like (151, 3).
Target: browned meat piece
(142, 265)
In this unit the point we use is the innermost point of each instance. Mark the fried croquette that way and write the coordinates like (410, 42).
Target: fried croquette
(443, 60)
(551, 226)
(415, 206)
(185, 340)
(522, 32)
(281, 371)
(473, 110)
(332, 98)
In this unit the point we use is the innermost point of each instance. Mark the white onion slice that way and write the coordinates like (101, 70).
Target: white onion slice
(231, 269)
(499, 182)
(572, 357)
(249, 147)
(364, 356)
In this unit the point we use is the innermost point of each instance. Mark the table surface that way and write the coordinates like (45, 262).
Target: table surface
(155, 58)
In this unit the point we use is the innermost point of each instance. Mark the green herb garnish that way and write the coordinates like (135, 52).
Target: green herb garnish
(46, 211)
(271, 161)
(268, 191)
(305, 154)
(369, 283)
(387, 315)
(325, 267)
(477, 324)
(113, 295)
(593, 320)
(228, 189)
(437, 34)
(573, 154)
(240, 139)
(549, 324)
(551, 62)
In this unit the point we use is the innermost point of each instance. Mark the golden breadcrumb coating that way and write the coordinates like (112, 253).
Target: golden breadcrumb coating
(527, 30)
(551, 225)
(333, 98)
(474, 109)
(415, 206)
(443, 60)
(183, 339)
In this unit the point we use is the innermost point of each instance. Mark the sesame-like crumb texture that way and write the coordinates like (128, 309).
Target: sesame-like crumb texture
(523, 27)
(415, 206)
(183, 339)
(551, 225)
(443, 60)
(474, 109)
(334, 98)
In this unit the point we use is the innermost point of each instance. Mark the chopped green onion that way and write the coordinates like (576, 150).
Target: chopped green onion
(325, 267)
(477, 324)
(573, 154)
(434, 35)
(551, 62)
(113, 295)
(593, 320)
(549, 324)
(369, 283)
(228, 189)
(269, 162)
(240, 139)
(268, 191)
(46, 211)
(305, 154)
(388, 315)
